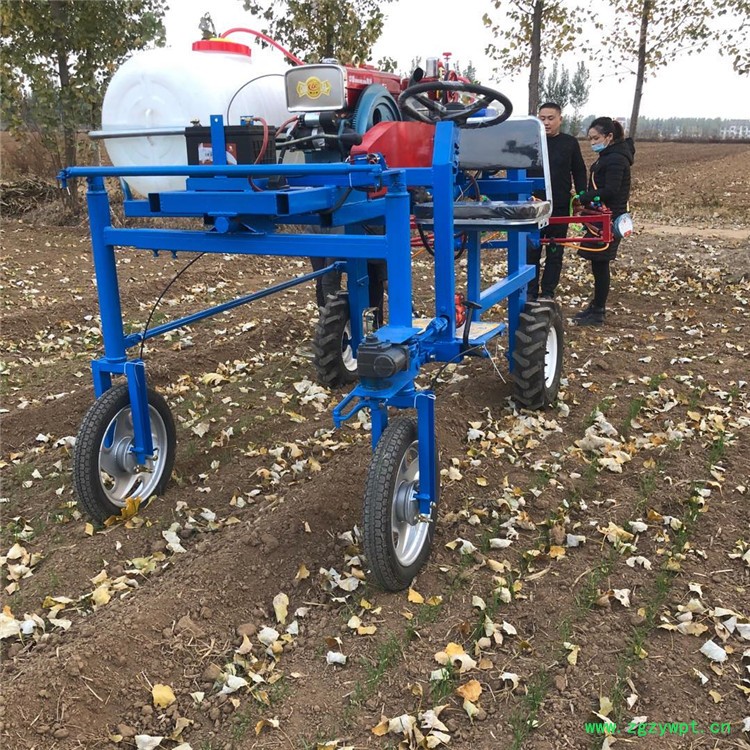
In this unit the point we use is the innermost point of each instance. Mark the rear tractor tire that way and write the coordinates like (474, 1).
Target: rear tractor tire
(538, 355)
(334, 358)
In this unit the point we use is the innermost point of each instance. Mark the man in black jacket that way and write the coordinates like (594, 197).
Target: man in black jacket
(565, 161)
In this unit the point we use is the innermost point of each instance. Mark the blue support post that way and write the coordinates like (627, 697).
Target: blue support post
(134, 339)
(115, 359)
(105, 268)
(379, 420)
(501, 290)
(474, 271)
(398, 249)
(444, 168)
(249, 243)
(517, 241)
(358, 288)
(428, 459)
(143, 447)
(517, 298)
(101, 376)
(218, 142)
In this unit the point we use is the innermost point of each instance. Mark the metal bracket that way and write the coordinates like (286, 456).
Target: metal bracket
(143, 447)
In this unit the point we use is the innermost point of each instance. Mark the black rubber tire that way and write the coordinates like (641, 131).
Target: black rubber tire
(531, 389)
(385, 568)
(92, 497)
(327, 344)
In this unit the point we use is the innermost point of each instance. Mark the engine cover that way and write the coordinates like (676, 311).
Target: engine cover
(329, 87)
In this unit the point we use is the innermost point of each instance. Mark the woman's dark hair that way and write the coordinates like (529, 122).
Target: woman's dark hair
(608, 126)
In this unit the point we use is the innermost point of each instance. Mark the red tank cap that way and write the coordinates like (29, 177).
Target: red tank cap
(221, 45)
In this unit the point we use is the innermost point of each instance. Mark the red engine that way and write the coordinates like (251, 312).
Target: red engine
(359, 78)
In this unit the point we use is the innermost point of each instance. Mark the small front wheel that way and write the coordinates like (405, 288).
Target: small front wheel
(334, 358)
(538, 355)
(105, 470)
(397, 544)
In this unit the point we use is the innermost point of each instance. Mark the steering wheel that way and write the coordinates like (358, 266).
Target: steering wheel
(437, 111)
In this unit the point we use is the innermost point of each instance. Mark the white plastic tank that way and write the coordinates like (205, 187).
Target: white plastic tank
(172, 88)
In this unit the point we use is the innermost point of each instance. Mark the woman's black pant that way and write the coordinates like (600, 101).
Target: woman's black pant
(602, 274)
(600, 269)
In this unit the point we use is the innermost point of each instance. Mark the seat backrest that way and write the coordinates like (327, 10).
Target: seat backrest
(517, 143)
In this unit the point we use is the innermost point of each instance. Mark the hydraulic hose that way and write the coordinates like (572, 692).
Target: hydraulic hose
(266, 39)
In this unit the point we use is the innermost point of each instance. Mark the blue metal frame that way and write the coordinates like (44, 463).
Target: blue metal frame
(243, 218)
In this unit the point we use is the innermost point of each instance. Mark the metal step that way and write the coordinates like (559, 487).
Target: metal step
(481, 331)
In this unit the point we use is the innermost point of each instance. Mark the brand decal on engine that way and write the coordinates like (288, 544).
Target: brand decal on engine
(313, 88)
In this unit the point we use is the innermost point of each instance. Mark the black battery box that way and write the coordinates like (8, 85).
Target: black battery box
(243, 144)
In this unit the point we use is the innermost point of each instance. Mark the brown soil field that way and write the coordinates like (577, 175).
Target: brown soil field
(578, 585)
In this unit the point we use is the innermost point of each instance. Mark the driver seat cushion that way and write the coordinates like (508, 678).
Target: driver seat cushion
(490, 212)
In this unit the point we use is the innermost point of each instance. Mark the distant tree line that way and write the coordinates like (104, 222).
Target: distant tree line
(688, 128)
(693, 127)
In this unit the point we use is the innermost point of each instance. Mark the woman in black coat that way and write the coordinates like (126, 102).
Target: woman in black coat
(609, 184)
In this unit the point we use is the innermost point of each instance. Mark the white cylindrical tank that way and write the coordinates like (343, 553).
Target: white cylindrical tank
(167, 87)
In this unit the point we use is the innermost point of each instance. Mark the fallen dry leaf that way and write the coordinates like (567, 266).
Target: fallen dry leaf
(263, 723)
(163, 695)
(470, 691)
(281, 607)
(714, 652)
(147, 742)
(415, 597)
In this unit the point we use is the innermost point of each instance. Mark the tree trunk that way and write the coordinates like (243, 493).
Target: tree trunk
(59, 10)
(641, 73)
(536, 56)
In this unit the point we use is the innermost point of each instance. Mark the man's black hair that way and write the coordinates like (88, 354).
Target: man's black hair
(550, 105)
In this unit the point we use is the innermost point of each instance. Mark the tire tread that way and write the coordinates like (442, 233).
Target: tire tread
(376, 514)
(326, 344)
(530, 389)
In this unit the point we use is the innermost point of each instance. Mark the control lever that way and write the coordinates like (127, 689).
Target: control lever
(471, 306)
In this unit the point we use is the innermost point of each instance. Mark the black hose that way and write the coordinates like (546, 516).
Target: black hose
(336, 206)
(156, 304)
(451, 361)
(247, 83)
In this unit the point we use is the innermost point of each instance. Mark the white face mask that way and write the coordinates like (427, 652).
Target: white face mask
(597, 147)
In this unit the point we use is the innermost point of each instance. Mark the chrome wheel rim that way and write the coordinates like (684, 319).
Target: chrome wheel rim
(550, 357)
(408, 534)
(347, 353)
(120, 475)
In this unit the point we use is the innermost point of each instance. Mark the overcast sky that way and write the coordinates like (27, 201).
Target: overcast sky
(701, 85)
